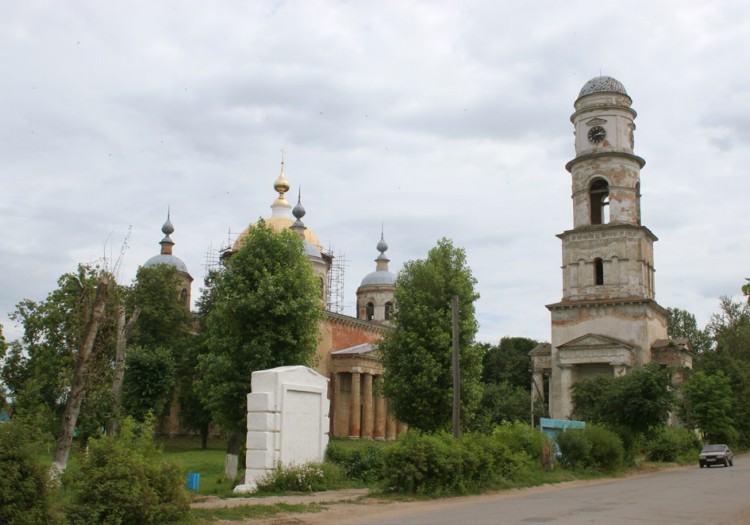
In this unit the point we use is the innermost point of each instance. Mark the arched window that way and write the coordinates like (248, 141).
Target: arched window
(388, 310)
(599, 202)
(184, 295)
(369, 311)
(598, 272)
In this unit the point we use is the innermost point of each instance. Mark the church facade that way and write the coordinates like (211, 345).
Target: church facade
(608, 320)
(346, 350)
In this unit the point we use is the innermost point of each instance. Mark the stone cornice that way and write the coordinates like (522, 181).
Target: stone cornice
(598, 228)
(353, 322)
(596, 303)
(604, 154)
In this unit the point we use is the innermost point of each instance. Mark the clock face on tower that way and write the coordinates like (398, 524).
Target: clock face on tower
(597, 134)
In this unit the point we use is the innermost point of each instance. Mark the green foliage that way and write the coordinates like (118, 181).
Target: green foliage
(438, 465)
(310, 477)
(39, 368)
(362, 464)
(23, 481)
(520, 436)
(640, 400)
(123, 480)
(509, 362)
(671, 444)
(592, 447)
(164, 320)
(708, 402)
(149, 381)
(682, 324)
(264, 312)
(417, 351)
(501, 402)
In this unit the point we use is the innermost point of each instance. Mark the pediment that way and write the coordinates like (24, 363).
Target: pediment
(595, 341)
(596, 121)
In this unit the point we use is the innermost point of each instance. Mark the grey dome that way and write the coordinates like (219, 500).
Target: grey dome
(379, 277)
(169, 260)
(311, 250)
(602, 85)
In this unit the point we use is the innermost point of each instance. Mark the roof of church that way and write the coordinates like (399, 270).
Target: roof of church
(281, 218)
(381, 275)
(602, 84)
(166, 257)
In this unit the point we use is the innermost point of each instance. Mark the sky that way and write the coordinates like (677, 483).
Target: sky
(429, 119)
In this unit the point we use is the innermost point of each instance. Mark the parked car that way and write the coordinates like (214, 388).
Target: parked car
(716, 455)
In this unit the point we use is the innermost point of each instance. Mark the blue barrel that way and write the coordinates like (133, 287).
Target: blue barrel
(194, 480)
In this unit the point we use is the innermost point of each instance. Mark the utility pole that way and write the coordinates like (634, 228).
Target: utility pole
(456, 374)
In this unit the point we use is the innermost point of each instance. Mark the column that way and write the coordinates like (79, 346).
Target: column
(566, 381)
(354, 407)
(335, 400)
(619, 369)
(368, 418)
(390, 425)
(379, 431)
(537, 384)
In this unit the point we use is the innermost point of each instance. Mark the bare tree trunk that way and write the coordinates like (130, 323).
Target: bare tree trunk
(233, 454)
(80, 378)
(123, 331)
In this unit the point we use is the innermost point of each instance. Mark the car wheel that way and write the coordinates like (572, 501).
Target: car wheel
(726, 462)
(731, 463)
(702, 465)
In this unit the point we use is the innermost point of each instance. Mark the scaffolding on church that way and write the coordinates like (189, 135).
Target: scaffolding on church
(335, 295)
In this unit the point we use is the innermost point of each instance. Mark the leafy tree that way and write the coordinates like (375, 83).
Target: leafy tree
(730, 329)
(264, 311)
(417, 351)
(640, 400)
(682, 324)
(509, 361)
(149, 381)
(502, 402)
(710, 400)
(66, 339)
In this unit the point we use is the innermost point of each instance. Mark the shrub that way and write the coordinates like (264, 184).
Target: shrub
(575, 449)
(591, 447)
(363, 464)
(122, 480)
(438, 465)
(519, 436)
(23, 482)
(310, 477)
(606, 448)
(671, 444)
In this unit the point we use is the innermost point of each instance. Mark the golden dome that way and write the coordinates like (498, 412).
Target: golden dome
(281, 218)
(278, 224)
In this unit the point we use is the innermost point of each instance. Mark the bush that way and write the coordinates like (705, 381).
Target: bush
(123, 481)
(673, 444)
(23, 482)
(362, 464)
(437, 464)
(575, 449)
(519, 436)
(310, 477)
(591, 447)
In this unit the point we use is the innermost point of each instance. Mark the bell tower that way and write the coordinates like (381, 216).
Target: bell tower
(608, 319)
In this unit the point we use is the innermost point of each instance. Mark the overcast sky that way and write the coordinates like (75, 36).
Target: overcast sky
(435, 119)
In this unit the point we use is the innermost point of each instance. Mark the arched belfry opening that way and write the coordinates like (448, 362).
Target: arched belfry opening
(599, 201)
(598, 272)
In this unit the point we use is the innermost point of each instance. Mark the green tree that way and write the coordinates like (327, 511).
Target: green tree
(509, 361)
(730, 355)
(264, 311)
(67, 341)
(502, 402)
(640, 400)
(157, 342)
(417, 351)
(710, 400)
(682, 324)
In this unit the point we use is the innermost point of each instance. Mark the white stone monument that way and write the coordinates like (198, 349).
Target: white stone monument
(287, 421)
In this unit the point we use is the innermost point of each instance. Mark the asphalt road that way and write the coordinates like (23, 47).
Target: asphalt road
(716, 495)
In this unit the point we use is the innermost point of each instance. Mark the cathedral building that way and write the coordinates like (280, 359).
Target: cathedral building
(608, 320)
(346, 351)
